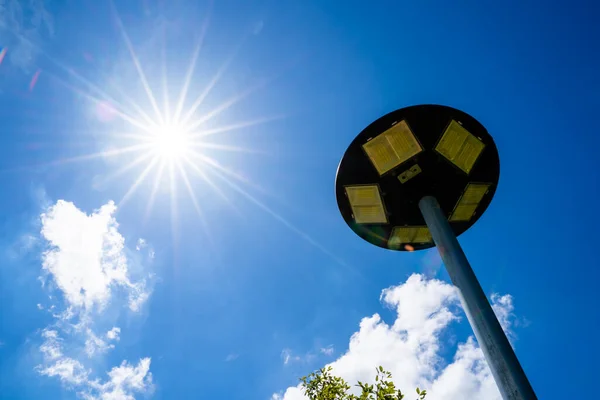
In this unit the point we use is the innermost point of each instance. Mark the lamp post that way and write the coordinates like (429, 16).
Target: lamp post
(416, 178)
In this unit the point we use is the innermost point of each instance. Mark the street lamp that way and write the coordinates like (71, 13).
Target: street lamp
(419, 177)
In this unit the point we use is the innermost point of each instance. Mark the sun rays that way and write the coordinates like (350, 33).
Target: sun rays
(168, 144)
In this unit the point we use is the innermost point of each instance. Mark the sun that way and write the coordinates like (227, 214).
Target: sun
(171, 142)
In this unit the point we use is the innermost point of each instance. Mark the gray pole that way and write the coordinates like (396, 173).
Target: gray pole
(501, 358)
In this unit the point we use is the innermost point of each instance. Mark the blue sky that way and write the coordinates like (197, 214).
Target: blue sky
(267, 283)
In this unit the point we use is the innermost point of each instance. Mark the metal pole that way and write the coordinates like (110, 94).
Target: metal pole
(500, 356)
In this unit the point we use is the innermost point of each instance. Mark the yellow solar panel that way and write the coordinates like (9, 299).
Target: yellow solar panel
(469, 201)
(409, 234)
(460, 147)
(367, 206)
(392, 148)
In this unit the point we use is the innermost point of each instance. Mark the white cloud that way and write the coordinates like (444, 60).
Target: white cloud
(503, 308)
(232, 357)
(56, 364)
(141, 243)
(287, 357)
(123, 381)
(65, 315)
(114, 334)
(68, 370)
(51, 347)
(95, 345)
(86, 260)
(467, 377)
(328, 351)
(138, 295)
(410, 347)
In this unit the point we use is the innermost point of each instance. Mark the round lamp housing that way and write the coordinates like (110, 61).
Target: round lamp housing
(410, 153)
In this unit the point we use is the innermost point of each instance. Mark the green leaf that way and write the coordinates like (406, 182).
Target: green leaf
(323, 385)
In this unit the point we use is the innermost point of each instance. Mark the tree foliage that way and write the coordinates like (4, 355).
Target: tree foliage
(323, 385)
